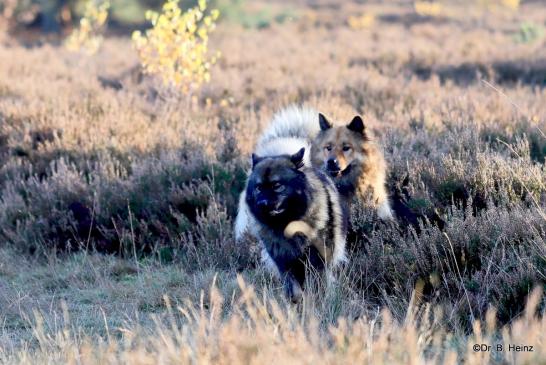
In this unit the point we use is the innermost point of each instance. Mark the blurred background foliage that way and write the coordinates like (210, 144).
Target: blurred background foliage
(125, 15)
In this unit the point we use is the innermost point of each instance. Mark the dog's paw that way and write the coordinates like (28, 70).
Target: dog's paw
(298, 227)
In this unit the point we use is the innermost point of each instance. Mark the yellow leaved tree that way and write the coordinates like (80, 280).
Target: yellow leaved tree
(512, 5)
(87, 37)
(176, 47)
(427, 8)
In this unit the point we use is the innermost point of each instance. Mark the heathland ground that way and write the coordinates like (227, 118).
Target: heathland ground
(117, 199)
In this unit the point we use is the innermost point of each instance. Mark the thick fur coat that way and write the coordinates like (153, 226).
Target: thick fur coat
(298, 217)
(337, 163)
(355, 162)
(362, 171)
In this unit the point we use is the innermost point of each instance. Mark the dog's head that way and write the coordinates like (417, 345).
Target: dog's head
(276, 190)
(336, 149)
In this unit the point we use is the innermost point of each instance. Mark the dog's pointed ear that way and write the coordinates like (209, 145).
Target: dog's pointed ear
(323, 122)
(256, 159)
(297, 158)
(357, 125)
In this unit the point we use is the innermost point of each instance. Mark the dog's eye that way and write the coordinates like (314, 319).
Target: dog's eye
(346, 148)
(257, 189)
(278, 187)
(328, 148)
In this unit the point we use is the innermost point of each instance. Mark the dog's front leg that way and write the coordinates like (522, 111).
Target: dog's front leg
(300, 241)
(292, 288)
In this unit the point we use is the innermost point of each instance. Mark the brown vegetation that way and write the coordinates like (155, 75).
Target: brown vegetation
(114, 193)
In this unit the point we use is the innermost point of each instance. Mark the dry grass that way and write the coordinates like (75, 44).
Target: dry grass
(114, 193)
(259, 330)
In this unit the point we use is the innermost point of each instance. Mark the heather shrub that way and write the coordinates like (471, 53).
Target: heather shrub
(114, 194)
(113, 208)
(501, 248)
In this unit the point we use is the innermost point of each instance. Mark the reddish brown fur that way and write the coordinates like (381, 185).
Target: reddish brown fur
(349, 147)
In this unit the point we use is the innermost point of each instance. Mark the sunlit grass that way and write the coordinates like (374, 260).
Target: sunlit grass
(114, 195)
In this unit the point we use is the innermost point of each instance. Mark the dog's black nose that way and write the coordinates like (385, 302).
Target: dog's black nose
(262, 203)
(332, 164)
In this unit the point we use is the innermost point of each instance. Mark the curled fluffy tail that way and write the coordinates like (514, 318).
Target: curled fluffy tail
(292, 122)
(290, 129)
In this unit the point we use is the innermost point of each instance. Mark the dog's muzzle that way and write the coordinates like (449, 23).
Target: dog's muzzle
(332, 166)
(335, 171)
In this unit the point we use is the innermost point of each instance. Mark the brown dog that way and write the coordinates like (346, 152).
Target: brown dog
(354, 161)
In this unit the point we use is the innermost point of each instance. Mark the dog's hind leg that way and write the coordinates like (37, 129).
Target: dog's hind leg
(244, 220)
(384, 211)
